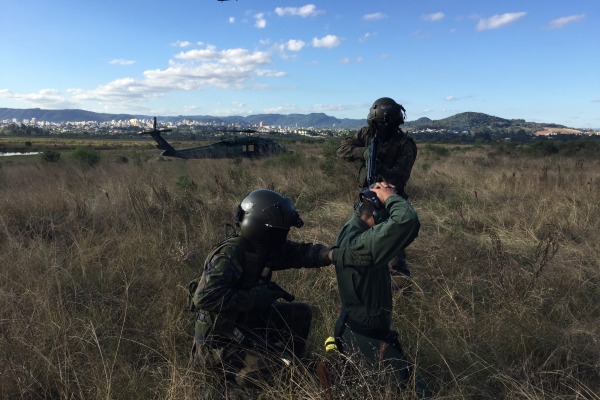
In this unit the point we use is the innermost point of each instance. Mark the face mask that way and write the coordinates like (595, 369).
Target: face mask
(276, 237)
(385, 132)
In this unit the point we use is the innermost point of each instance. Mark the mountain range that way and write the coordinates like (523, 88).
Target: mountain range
(467, 121)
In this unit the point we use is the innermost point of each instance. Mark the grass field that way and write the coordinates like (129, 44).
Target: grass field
(95, 263)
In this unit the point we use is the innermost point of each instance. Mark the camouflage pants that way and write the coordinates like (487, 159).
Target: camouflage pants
(284, 327)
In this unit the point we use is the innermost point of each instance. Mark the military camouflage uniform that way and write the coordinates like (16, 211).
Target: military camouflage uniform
(364, 325)
(234, 291)
(396, 157)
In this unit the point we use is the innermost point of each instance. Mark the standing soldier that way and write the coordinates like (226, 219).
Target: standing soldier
(241, 328)
(396, 155)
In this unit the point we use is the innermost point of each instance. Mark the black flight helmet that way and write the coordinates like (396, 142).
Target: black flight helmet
(385, 116)
(380, 213)
(265, 217)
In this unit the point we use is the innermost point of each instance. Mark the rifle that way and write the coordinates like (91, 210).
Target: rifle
(287, 296)
(247, 337)
(372, 160)
(372, 172)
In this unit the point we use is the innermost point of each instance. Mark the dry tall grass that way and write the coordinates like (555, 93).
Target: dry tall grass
(94, 266)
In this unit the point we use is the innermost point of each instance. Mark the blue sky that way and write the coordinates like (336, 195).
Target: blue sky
(535, 60)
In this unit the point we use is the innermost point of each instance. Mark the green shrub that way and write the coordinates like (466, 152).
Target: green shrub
(86, 157)
(136, 158)
(437, 150)
(184, 182)
(50, 156)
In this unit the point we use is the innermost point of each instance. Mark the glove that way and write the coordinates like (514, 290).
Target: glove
(265, 295)
(318, 254)
(323, 256)
(356, 256)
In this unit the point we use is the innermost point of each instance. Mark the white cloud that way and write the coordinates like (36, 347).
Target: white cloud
(323, 108)
(366, 37)
(498, 21)
(438, 16)
(329, 41)
(191, 70)
(295, 45)
(196, 69)
(182, 43)
(261, 22)
(309, 10)
(348, 60)
(454, 98)
(231, 20)
(236, 56)
(199, 54)
(564, 21)
(120, 61)
(374, 17)
(269, 73)
(45, 98)
(337, 107)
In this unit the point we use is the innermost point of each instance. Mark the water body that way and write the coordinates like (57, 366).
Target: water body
(19, 154)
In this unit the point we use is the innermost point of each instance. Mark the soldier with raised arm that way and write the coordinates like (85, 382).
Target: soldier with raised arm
(396, 155)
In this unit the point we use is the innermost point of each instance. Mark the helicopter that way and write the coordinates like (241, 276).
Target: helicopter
(236, 147)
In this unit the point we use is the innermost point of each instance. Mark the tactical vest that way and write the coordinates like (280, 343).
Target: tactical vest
(401, 151)
(253, 270)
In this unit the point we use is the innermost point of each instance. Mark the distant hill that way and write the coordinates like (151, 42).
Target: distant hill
(68, 115)
(472, 122)
(315, 120)
(469, 121)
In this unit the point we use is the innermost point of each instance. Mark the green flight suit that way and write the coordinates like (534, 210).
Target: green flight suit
(364, 324)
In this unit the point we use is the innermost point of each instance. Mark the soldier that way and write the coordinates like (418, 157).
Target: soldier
(384, 222)
(396, 155)
(241, 329)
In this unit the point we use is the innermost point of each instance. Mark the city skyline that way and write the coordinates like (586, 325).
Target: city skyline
(509, 59)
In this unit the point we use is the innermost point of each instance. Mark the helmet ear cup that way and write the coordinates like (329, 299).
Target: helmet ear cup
(239, 215)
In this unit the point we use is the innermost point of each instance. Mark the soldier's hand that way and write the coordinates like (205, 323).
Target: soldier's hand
(383, 190)
(283, 294)
(265, 295)
(357, 256)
